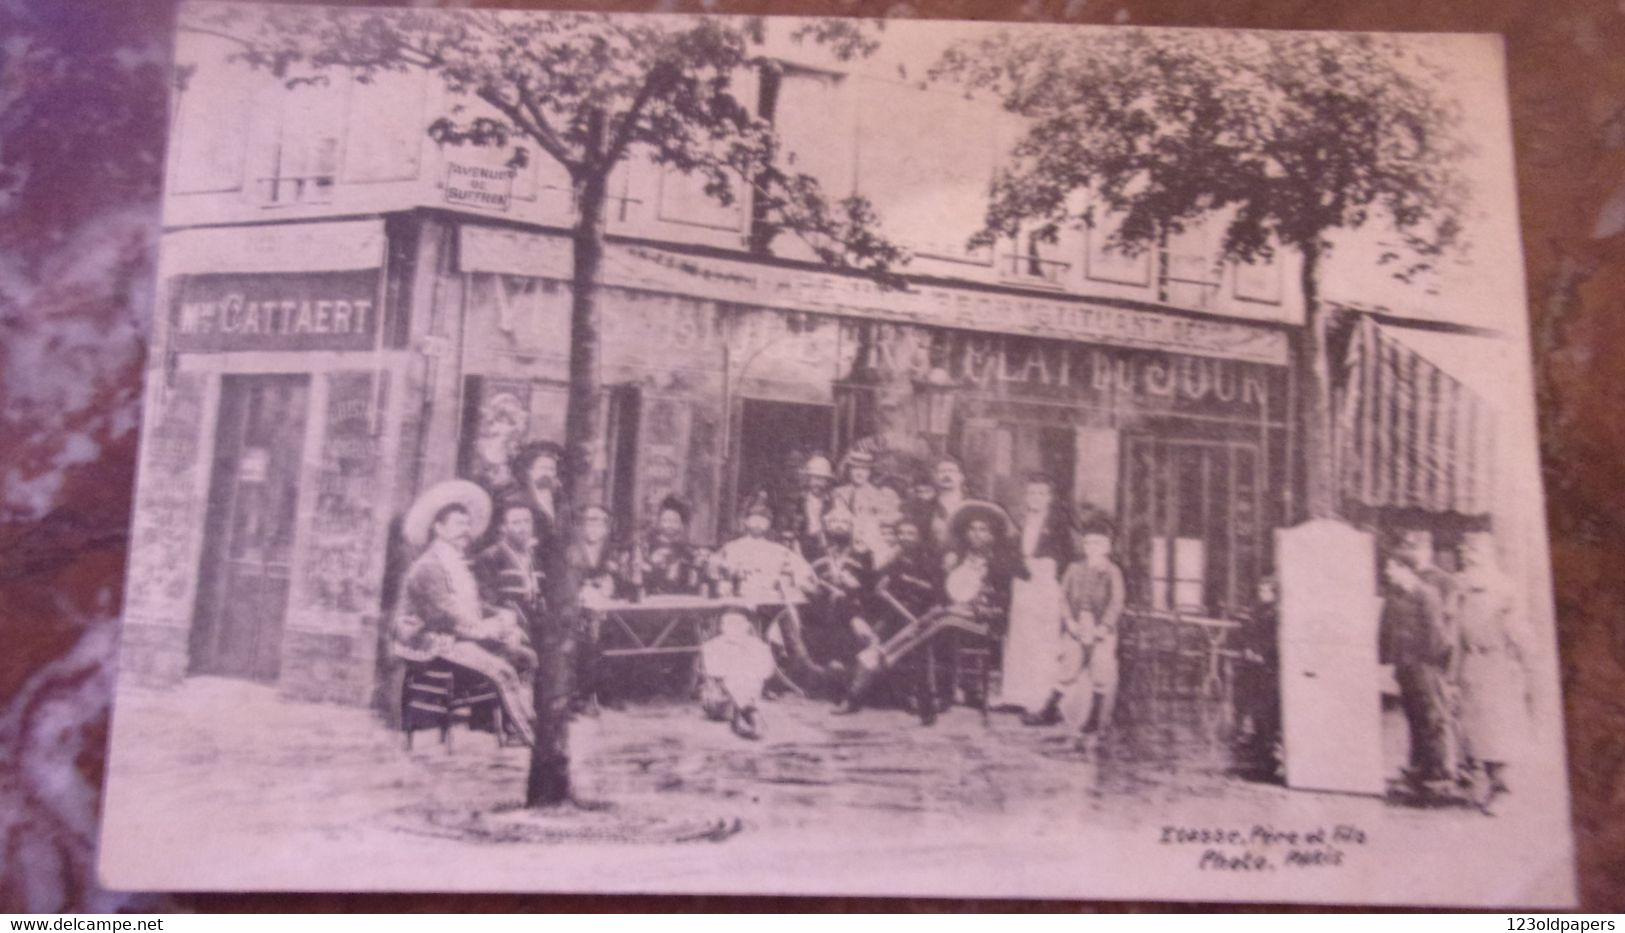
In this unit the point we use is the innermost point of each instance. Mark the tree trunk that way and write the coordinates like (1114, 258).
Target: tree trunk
(1314, 396)
(549, 780)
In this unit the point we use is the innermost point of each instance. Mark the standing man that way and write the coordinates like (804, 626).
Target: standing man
(1422, 641)
(442, 613)
(536, 483)
(948, 479)
(804, 521)
(1494, 676)
(871, 506)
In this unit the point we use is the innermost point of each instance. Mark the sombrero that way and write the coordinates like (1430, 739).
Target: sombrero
(978, 510)
(415, 527)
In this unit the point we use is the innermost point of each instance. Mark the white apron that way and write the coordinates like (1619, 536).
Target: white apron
(1030, 646)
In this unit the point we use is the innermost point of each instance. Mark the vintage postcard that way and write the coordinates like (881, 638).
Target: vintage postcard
(614, 453)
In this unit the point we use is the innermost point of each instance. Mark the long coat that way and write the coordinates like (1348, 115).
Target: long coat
(1494, 684)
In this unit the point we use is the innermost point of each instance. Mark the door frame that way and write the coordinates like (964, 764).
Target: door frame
(220, 508)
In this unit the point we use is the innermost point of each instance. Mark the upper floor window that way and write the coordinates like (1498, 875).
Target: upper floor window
(303, 163)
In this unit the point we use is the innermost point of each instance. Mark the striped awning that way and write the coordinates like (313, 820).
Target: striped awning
(1412, 431)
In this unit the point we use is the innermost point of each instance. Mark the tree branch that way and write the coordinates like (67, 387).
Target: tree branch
(658, 77)
(546, 136)
(542, 135)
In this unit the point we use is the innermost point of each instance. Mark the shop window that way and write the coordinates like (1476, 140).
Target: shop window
(1259, 280)
(1179, 575)
(1192, 541)
(385, 130)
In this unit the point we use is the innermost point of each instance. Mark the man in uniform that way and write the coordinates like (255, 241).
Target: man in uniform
(846, 577)
(510, 572)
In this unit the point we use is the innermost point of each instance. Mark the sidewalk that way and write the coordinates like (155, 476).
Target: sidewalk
(222, 768)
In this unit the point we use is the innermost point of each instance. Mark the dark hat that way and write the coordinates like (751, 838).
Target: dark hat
(1093, 520)
(676, 504)
(757, 503)
(998, 521)
(530, 453)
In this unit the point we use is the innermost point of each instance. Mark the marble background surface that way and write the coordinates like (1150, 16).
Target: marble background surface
(82, 116)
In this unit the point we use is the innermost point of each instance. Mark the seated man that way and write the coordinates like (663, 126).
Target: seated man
(510, 572)
(440, 592)
(664, 563)
(979, 569)
(592, 578)
(908, 587)
(846, 579)
(736, 666)
(761, 572)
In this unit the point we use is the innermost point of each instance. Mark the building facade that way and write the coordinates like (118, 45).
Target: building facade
(350, 313)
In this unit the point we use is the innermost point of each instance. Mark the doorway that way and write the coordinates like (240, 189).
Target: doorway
(248, 537)
(775, 440)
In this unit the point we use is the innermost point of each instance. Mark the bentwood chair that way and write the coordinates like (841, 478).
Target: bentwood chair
(436, 694)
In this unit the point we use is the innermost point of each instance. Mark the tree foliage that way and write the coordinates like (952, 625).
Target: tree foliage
(590, 90)
(1289, 135)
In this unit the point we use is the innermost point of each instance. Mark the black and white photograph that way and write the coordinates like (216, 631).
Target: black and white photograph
(596, 452)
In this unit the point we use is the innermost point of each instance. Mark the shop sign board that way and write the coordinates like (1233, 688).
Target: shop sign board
(480, 186)
(276, 311)
(741, 282)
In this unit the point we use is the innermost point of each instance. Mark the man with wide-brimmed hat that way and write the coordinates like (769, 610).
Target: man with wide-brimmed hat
(442, 613)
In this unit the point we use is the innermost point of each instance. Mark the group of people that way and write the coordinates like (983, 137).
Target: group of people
(858, 587)
(867, 585)
(1459, 655)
